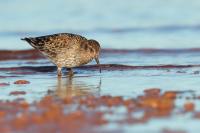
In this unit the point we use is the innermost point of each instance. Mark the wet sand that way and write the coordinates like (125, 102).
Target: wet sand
(123, 98)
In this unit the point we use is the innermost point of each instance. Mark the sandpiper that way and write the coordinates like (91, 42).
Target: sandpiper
(66, 50)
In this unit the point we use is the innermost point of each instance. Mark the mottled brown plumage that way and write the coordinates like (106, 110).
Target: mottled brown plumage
(66, 50)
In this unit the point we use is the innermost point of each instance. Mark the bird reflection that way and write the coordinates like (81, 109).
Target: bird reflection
(69, 87)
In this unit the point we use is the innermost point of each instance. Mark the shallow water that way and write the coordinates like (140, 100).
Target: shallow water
(152, 71)
(148, 71)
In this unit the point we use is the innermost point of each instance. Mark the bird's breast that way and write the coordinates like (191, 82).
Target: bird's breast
(71, 59)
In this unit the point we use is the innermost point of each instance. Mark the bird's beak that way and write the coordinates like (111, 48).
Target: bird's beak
(97, 61)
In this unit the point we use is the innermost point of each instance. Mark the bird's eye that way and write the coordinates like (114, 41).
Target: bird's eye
(86, 47)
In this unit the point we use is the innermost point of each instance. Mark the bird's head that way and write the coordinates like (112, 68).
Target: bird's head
(96, 46)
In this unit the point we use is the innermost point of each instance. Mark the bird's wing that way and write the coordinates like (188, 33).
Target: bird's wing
(51, 45)
(54, 41)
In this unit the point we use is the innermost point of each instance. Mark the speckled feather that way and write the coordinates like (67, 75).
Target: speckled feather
(65, 49)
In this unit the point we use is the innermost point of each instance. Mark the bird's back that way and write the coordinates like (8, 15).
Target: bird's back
(51, 45)
(57, 41)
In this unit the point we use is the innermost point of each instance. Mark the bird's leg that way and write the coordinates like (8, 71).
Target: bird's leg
(70, 72)
(59, 71)
(97, 61)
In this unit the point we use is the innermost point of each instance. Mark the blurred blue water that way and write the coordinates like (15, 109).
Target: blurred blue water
(114, 23)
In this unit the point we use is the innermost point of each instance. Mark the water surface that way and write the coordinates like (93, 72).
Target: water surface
(114, 23)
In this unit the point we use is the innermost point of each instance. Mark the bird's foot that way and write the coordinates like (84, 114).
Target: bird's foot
(70, 72)
(59, 72)
(59, 75)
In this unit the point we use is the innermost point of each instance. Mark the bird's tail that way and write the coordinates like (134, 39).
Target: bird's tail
(31, 41)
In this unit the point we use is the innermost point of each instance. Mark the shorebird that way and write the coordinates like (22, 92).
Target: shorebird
(66, 50)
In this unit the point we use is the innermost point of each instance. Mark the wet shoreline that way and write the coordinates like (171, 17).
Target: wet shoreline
(32, 54)
(135, 88)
